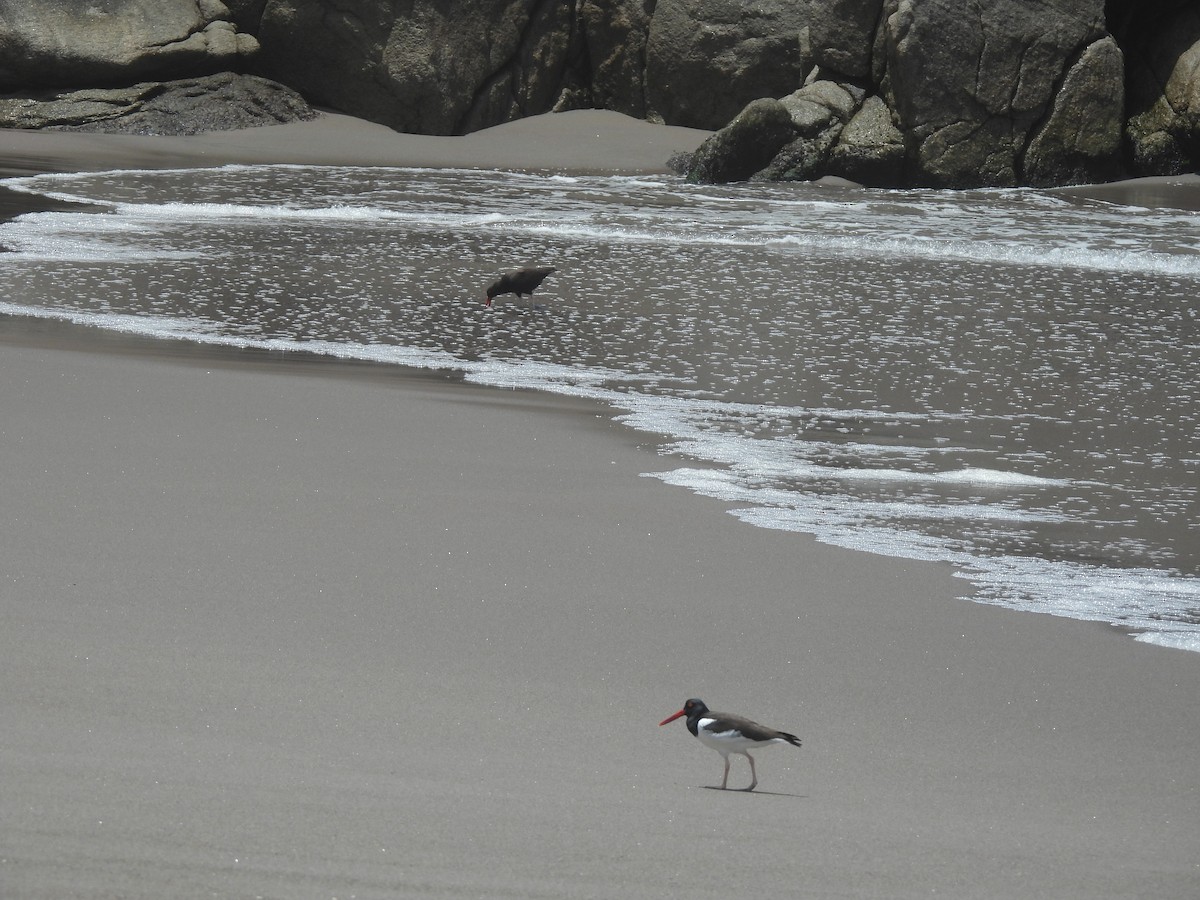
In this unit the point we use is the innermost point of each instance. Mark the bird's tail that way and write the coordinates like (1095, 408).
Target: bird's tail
(790, 738)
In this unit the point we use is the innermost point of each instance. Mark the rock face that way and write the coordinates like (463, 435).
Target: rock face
(968, 89)
(963, 94)
(457, 66)
(56, 43)
(870, 149)
(431, 67)
(700, 52)
(949, 93)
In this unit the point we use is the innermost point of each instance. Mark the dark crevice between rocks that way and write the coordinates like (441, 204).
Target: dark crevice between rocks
(572, 87)
(509, 69)
(876, 69)
(1153, 143)
(643, 55)
(581, 56)
(483, 94)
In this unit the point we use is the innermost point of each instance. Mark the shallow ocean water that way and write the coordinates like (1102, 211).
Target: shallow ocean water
(1005, 380)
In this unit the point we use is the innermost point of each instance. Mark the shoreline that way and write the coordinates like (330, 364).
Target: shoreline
(303, 626)
(592, 142)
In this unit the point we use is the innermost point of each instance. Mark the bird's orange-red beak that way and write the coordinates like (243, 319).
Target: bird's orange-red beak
(487, 301)
(672, 718)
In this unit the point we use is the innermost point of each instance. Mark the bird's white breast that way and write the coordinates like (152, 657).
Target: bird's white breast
(726, 741)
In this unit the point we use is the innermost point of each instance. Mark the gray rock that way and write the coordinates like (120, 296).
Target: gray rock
(189, 106)
(246, 14)
(994, 98)
(745, 145)
(457, 66)
(968, 87)
(88, 42)
(1080, 142)
(804, 159)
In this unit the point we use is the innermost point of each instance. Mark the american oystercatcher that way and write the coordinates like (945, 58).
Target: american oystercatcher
(520, 282)
(730, 734)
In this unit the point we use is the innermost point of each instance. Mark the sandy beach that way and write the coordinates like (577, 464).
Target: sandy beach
(578, 141)
(281, 626)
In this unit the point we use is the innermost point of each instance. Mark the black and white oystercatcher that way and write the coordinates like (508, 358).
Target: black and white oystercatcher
(730, 734)
(520, 282)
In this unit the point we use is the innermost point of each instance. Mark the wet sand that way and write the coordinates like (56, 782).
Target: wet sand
(293, 627)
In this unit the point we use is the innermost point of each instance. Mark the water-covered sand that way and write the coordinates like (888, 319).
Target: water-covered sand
(280, 626)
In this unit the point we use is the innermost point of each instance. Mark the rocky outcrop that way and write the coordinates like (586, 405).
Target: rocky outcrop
(969, 82)
(134, 66)
(949, 93)
(62, 43)
(457, 66)
(961, 94)
(219, 102)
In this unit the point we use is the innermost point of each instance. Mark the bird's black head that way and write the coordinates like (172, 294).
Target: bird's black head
(695, 707)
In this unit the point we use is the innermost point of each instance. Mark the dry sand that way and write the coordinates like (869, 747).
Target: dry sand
(289, 627)
(577, 141)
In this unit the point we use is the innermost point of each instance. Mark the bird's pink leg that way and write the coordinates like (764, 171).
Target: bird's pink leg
(753, 774)
(725, 777)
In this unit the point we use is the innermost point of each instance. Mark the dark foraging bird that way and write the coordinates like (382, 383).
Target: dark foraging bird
(520, 282)
(730, 734)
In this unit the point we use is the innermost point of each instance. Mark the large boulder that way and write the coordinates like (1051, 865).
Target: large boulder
(97, 42)
(1080, 141)
(932, 93)
(219, 102)
(969, 86)
(744, 146)
(459, 65)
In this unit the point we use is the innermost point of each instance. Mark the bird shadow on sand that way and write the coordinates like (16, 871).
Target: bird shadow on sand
(517, 308)
(756, 792)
